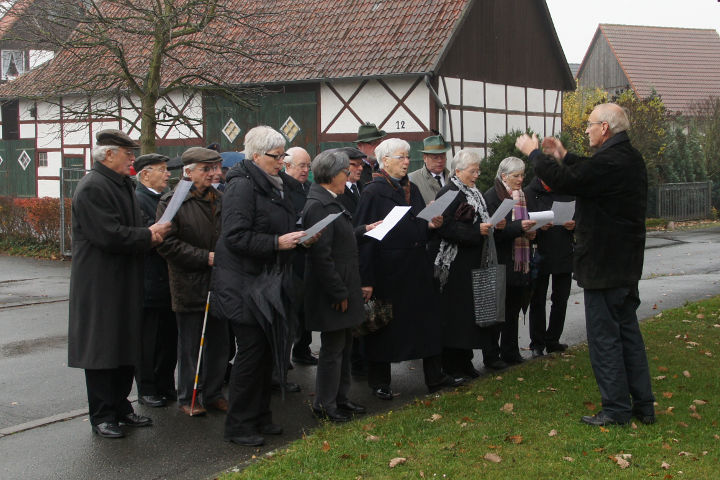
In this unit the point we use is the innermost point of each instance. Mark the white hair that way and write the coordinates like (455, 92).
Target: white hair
(615, 116)
(465, 158)
(189, 167)
(508, 165)
(262, 139)
(389, 146)
(99, 152)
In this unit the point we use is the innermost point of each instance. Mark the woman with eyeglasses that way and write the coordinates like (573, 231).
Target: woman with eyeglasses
(398, 269)
(258, 233)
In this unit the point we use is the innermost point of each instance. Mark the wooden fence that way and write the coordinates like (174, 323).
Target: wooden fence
(684, 201)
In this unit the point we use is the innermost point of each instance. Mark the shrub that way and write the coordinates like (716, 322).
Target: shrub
(26, 222)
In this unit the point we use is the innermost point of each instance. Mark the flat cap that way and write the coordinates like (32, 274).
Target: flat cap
(115, 137)
(148, 159)
(200, 155)
(351, 152)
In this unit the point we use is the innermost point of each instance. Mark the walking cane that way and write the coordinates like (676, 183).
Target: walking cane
(202, 343)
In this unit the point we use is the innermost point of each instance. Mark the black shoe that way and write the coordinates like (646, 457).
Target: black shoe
(447, 382)
(108, 430)
(496, 365)
(305, 358)
(383, 393)
(169, 396)
(645, 419)
(557, 347)
(336, 417)
(469, 372)
(351, 407)
(247, 440)
(153, 401)
(271, 429)
(514, 360)
(601, 418)
(538, 352)
(290, 387)
(132, 419)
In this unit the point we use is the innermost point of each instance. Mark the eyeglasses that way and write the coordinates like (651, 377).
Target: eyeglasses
(589, 123)
(161, 169)
(346, 171)
(213, 168)
(276, 156)
(399, 157)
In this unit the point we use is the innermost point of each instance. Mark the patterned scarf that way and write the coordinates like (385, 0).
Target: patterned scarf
(404, 183)
(521, 245)
(448, 250)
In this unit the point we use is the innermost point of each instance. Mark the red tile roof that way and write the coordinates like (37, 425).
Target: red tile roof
(12, 15)
(287, 41)
(680, 64)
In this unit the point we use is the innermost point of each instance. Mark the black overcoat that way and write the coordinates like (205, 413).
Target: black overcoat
(157, 283)
(254, 216)
(399, 269)
(611, 191)
(193, 234)
(460, 330)
(332, 272)
(106, 276)
(554, 245)
(349, 200)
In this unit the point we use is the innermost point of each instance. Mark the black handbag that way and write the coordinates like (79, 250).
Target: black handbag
(488, 286)
(378, 314)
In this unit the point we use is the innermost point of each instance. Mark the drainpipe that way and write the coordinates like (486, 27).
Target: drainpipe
(438, 101)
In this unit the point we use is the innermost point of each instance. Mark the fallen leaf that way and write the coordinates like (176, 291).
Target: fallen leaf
(516, 439)
(667, 394)
(507, 408)
(520, 379)
(368, 426)
(397, 461)
(699, 315)
(372, 438)
(589, 405)
(345, 456)
(683, 424)
(684, 454)
(603, 429)
(499, 377)
(633, 425)
(325, 446)
(569, 459)
(700, 402)
(492, 457)
(364, 456)
(664, 465)
(621, 462)
(654, 307)
(686, 373)
(660, 377)
(480, 398)
(434, 418)
(696, 416)
(663, 369)
(553, 433)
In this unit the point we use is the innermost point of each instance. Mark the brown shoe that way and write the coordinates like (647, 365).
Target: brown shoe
(219, 404)
(195, 412)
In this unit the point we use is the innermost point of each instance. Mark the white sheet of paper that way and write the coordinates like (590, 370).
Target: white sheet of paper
(183, 187)
(564, 212)
(542, 218)
(502, 210)
(310, 232)
(438, 206)
(390, 220)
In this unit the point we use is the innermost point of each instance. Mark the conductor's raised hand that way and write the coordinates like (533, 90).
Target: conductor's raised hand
(527, 144)
(554, 147)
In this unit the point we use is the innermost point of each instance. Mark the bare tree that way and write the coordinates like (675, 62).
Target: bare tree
(147, 50)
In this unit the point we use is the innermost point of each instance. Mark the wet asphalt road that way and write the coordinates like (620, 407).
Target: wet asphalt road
(44, 432)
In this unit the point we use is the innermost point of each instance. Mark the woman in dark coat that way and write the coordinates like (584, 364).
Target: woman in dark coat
(258, 232)
(333, 299)
(457, 250)
(513, 249)
(555, 246)
(398, 269)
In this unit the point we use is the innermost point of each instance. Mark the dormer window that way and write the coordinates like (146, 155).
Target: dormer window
(12, 64)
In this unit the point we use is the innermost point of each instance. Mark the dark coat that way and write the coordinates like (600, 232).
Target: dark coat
(611, 191)
(349, 200)
(367, 173)
(458, 308)
(504, 239)
(193, 234)
(106, 276)
(400, 270)
(556, 244)
(297, 194)
(157, 282)
(254, 216)
(332, 273)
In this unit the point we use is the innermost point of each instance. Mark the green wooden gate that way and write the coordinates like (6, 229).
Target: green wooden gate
(16, 181)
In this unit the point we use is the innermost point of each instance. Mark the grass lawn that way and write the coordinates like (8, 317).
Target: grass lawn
(524, 422)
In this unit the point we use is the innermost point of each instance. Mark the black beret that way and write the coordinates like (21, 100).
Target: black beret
(115, 137)
(200, 155)
(148, 159)
(352, 152)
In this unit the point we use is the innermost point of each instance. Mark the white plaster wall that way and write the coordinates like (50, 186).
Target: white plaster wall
(495, 125)
(537, 125)
(75, 108)
(495, 96)
(48, 188)
(25, 108)
(450, 90)
(535, 100)
(76, 133)
(474, 126)
(48, 111)
(48, 135)
(550, 97)
(473, 94)
(516, 98)
(27, 130)
(53, 169)
(516, 122)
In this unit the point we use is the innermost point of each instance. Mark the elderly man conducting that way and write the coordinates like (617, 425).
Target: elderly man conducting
(190, 253)
(433, 175)
(106, 283)
(611, 191)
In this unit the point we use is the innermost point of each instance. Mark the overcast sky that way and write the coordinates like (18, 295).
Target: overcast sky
(576, 21)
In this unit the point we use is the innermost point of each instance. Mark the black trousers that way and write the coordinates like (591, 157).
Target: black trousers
(379, 373)
(107, 392)
(303, 338)
(540, 336)
(156, 373)
(250, 383)
(506, 333)
(214, 359)
(617, 352)
(457, 361)
(332, 379)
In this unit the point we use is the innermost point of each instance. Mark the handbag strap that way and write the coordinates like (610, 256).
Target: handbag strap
(489, 252)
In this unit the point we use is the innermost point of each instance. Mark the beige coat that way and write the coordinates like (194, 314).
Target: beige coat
(426, 183)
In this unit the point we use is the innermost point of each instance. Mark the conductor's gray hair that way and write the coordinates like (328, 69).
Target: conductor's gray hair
(508, 165)
(389, 146)
(615, 116)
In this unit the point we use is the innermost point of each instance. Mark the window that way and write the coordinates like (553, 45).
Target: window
(42, 159)
(10, 120)
(12, 64)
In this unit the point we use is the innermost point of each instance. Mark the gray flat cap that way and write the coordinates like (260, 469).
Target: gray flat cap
(115, 137)
(200, 155)
(148, 159)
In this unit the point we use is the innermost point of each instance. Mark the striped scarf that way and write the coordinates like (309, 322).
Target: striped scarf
(521, 245)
